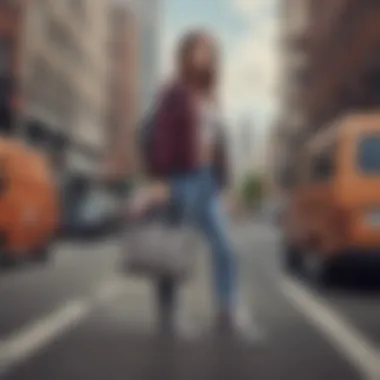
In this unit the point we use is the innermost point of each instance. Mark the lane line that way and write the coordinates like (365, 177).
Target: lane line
(33, 338)
(110, 289)
(345, 338)
(37, 335)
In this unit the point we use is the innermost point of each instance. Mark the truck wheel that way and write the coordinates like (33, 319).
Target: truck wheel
(5, 260)
(42, 255)
(318, 270)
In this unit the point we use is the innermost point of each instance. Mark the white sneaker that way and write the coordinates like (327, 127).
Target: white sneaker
(240, 324)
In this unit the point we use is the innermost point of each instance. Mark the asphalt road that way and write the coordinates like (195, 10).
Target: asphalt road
(78, 318)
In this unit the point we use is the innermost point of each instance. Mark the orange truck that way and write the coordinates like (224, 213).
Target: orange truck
(29, 203)
(333, 210)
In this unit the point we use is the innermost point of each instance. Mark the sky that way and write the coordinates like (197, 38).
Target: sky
(248, 32)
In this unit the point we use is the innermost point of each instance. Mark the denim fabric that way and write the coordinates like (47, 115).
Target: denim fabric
(197, 197)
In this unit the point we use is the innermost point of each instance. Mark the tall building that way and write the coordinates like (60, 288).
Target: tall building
(332, 65)
(64, 80)
(344, 45)
(149, 13)
(288, 132)
(339, 44)
(11, 24)
(124, 91)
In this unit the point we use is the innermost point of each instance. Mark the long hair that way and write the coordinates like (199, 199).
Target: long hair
(203, 80)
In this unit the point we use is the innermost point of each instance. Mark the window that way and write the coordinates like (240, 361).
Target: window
(5, 57)
(65, 42)
(39, 82)
(47, 89)
(323, 166)
(369, 154)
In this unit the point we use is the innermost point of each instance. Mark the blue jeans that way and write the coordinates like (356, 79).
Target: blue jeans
(196, 196)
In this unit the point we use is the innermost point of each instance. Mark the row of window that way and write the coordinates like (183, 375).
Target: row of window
(47, 88)
(62, 39)
(58, 33)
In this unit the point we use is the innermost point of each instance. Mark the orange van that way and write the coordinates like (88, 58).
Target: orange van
(333, 209)
(29, 203)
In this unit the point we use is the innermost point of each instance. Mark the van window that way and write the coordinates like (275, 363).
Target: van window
(369, 155)
(323, 166)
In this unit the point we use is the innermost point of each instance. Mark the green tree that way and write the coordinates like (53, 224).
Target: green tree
(252, 190)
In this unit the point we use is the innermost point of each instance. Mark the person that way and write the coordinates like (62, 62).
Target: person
(190, 167)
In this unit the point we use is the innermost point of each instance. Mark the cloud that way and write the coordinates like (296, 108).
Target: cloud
(251, 7)
(252, 66)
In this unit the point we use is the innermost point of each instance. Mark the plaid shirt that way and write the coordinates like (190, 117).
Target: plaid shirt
(175, 145)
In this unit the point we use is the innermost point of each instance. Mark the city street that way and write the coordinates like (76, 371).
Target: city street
(78, 318)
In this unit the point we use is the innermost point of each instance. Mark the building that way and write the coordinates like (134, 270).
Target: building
(344, 71)
(64, 80)
(11, 21)
(149, 13)
(331, 67)
(288, 132)
(125, 94)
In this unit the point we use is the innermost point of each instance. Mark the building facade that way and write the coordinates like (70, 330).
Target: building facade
(149, 14)
(344, 46)
(331, 67)
(288, 132)
(11, 29)
(64, 80)
(124, 92)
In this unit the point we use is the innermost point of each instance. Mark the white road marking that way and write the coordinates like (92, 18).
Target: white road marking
(110, 289)
(350, 343)
(35, 337)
